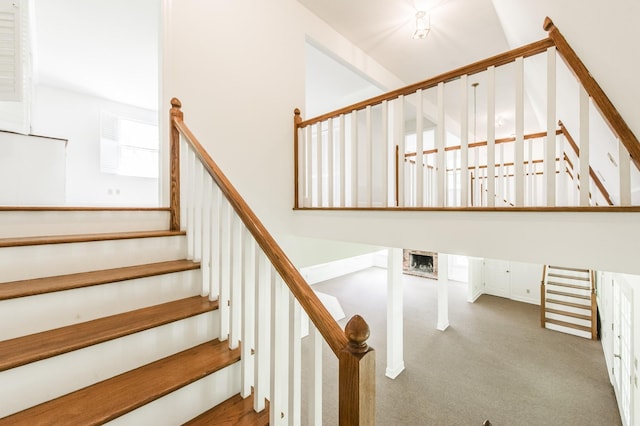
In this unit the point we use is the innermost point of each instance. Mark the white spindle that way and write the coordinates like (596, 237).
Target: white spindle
(319, 166)
(419, 150)
(184, 199)
(205, 263)
(225, 268)
(464, 141)
(519, 170)
(235, 294)
(330, 165)
(491, 136)
(368, 157)
(343, 156)
(295, 361)
(190, 189)
(278, 414)
(354, 159)
(315, 380)
(440, 154)
(500, 181)
(248, 312)
(624, 166)
(302, 166)
(550, 147)
(309, 167)
(584, 147)
(400, 142)
(261, 373)
(384, 176)
(198, 185)
(562, 175)
(216, 209)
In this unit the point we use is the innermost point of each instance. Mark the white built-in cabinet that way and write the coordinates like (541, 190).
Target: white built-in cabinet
(513, 280)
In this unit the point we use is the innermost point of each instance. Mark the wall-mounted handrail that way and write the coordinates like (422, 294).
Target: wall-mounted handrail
(600, 99)
(356, 358)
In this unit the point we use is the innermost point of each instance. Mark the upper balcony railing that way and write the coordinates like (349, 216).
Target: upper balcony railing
(418, 147)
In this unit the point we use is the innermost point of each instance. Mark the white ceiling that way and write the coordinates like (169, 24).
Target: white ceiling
(106, 48)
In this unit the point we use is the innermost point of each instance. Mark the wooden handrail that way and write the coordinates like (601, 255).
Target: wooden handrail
(600, 99)
(474, 68)
(308, 299)
(592, 173)
(356, 358)
(482, 143)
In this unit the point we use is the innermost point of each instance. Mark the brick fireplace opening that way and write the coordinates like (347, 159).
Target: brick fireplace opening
(420, 263)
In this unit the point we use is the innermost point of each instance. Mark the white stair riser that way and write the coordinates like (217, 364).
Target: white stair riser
(568, 308)
(20, 263)
(569, 330)
(568, 319)
(36, 223)
(188, 402)
(40, 381)
(28, 315)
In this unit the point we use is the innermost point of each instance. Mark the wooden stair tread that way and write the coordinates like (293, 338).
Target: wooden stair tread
(38, 346)
(576, 286)
(564, 268)
(573, 305)
(111, 398)
(568, 314)
(31, 287)
(81, 238)
(564, 293)
(569, 325)
(569, 277)
(235, 411)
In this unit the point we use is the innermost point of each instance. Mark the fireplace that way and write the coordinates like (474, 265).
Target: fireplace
(420, 263)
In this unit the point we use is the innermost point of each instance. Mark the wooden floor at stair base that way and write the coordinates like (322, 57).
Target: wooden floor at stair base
(235, 411)
(121, 394)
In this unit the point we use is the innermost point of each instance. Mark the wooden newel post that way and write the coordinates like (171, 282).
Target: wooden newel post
(175, 114)
(357, 376)
(297, 119)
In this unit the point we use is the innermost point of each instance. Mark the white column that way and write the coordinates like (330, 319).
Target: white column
(443, 291)
(395, 343)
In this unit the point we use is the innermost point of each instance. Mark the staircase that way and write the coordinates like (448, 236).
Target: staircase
(103, 321)
(569, 301)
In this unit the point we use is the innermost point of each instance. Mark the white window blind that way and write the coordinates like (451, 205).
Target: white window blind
(11, 61)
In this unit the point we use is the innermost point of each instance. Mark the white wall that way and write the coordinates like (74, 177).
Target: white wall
(76, 117)
(32, 170)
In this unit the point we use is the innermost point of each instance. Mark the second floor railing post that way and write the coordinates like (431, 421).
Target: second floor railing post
(174, 165)
(357, 405)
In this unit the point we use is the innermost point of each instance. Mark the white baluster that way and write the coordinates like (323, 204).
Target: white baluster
(309, 188)
(584, 147)
(225, 268)
(354, 159)
(216, 213)
(464, 141)
(368, 158)
(550, 147)
(302, 166)
(343, 155)
(262, 372)
(295, 361)
(197, 203)
(330, 166)
(235, 294)
(190, 187)
(624, 166)
(519, 171)
(400, 142)
(319, 166)
(491, 136)
(384, 176)
(440, 154)
(278, 414)
(205, 263)
(419, 150)
(315, 379)
(184, 199)
(248, 312)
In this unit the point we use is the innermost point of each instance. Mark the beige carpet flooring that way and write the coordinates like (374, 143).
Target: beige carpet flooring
(494, 361)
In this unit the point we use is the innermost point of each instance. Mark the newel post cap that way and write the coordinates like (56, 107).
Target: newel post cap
(548, 24)
(357, 332)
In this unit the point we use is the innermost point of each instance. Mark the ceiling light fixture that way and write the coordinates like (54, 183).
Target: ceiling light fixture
(423, 25)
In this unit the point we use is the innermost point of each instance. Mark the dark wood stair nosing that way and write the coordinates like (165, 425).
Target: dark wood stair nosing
(46, 344)
(143, 385)
(568, 277)
(35, 286)
(565, 268)
(84, 238)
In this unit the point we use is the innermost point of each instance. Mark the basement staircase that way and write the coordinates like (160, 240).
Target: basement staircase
(569, 301)
(103, 322)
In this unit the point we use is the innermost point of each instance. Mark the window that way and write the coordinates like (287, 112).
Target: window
(128, 147)
(10, 52)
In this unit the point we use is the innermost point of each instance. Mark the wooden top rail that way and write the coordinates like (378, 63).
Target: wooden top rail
(611, 115)
(310, 302)
(483, 143)
(474, 68)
